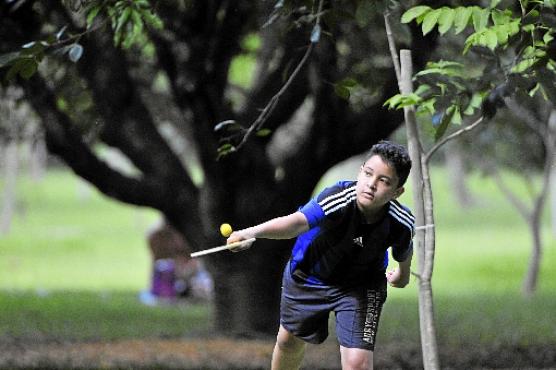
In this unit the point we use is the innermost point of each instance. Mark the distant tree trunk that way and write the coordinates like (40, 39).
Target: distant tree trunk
(532, 275)
(458, 174)
(38, 156)
(11, 164)
(552, 130)
(545, 130)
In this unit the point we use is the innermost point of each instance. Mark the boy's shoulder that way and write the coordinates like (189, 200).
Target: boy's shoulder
(401, 215)
(338, 187)
(337, 197)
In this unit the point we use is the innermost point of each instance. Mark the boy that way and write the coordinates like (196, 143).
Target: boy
(338, 263)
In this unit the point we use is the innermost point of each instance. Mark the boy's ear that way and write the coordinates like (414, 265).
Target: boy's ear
(399, 191)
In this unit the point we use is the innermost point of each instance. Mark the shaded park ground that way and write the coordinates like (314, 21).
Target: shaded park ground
(115, 331)
(250, 354)
(72, 268)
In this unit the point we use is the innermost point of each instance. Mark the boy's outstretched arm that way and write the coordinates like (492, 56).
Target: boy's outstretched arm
(285, 227)
(399, 277)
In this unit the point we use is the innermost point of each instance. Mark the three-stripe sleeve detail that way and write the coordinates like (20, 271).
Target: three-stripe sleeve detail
(402, 215)
(337, 201)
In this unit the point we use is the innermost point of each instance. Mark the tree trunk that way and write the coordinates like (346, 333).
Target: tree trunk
(424, 220)
(457, 174)
(38, 156)
(533, 267)
(552, 134)
(11, 164)
(243, 305)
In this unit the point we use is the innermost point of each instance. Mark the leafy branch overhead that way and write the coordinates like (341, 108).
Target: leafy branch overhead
(518, 53)
(127, 19)
(233, 135)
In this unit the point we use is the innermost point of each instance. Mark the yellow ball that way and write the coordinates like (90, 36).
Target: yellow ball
(225, 230)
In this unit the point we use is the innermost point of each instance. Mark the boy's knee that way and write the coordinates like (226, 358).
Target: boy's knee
(356, 359)
(288, 342)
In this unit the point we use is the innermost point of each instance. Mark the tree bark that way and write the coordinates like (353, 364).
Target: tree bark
(424, 220)
(458, 174)
(38, 156)
(11, 165)
(531, 279)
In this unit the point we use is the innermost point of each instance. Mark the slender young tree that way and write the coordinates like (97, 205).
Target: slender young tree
(447, 92)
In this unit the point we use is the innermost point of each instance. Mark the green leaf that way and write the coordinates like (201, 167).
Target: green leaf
(348, 82)
(494, 3)
(8, 58)
(92, 14)
(524, 65)
(500, 17)
(475, 103)
(480, 18)
(342, 91)
(414, 13)
(28, 68)
(409, 100)
(502, 34)
(534, 90)
(446, 119)
(462, 17)
(224, 150)
(491, 39)
(430, 20)
(445, 68)
(364, 13)
(122, 20)
(264, 132)
(25, 67)
(446, 20)
(428, 106)
(13, 70)
(456, 117)
(422, 89)
(151, 19)
(472, 40)
(394, 101)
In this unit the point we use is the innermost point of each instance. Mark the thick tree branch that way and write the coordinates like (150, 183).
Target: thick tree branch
(64, 140)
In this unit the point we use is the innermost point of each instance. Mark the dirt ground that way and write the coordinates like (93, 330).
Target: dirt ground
(220, 353)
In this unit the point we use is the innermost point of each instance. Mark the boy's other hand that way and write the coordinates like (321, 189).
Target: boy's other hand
(396, 279)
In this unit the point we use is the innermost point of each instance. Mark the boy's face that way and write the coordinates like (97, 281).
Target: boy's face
(377, 184)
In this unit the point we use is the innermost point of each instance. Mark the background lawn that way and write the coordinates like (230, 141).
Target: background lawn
(75, 261)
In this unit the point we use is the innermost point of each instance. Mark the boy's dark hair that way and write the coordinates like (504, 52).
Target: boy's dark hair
(395, 155)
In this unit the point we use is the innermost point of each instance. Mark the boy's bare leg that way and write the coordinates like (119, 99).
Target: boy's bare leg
(356, 359)
(288, 351)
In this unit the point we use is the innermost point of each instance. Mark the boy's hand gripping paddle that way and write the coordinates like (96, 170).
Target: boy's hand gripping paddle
(236, 247)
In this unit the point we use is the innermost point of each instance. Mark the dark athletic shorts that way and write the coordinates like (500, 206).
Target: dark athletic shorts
(305, 307)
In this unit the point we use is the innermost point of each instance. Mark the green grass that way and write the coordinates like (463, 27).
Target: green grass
(74, 262)
(65, 235)
(62, 315)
